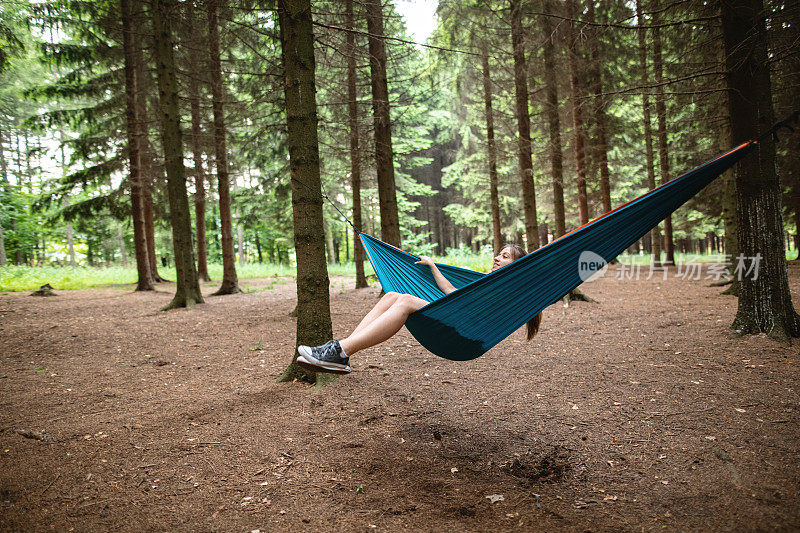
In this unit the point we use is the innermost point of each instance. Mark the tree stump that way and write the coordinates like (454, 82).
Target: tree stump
(44, 290)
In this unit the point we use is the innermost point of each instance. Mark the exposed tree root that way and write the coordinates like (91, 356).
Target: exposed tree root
(733, 290)
(227, 288)
(722, 282)
(44, 290)
(576, 295)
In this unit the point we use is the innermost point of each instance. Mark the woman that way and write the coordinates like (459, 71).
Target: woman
(386, 319)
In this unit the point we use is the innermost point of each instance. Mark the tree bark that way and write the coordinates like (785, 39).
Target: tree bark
(497, 238)
(661, 113)
(313, 299)
(3, 184)
(149, 222)
(187, 292)
(143, 88)
(3, 259)
(122, 252)
(384, 155)
(326, 227)
(765, 303)
(134, 132)
(577, 115)
(230, 281)
(729, 209)
(601, 146)
(197, 153)
(553, 125)
(355, 151)
(71, 243)
(655, 233)
(524, 127)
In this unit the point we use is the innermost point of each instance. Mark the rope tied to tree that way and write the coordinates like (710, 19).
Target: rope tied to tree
(781, 124)
(325, 196)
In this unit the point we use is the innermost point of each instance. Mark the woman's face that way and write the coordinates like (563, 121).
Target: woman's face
(505, 257)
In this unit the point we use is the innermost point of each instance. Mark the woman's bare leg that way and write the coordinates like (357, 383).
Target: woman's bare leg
(384, 326)
(381, 307)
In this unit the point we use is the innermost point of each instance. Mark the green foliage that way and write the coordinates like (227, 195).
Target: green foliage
(62, 130)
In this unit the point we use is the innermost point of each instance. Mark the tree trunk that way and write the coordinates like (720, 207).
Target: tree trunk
(230, 282)
(143, 87)
(313, 299)
(355, 151)
(553, 125)
(765, 303)
(71, 245)
(149, 223)
(240, 241)
(384, 155)
(3, 259)
(240, 251)
(258, 249)
(524, 127)
(601, 146)
(655, 233)
(3, 184)
(326, 227)
(122, 252)
(577, 115)
(28, 170)
(346, 246)
(187, 292)
(134, 132)
(729, 211)
(197, 153)
(661, 112)
(497, 239)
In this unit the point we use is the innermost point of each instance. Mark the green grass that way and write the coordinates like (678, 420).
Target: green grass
(26, 278)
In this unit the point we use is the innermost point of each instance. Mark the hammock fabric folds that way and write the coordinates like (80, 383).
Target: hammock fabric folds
(487, 308)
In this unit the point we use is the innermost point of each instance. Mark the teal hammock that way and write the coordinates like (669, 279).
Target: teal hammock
(486, 308)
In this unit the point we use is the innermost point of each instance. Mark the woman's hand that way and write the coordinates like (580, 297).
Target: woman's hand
(425, 260)
(441, 281)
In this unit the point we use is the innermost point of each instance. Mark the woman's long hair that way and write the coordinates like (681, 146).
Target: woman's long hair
(533, 325)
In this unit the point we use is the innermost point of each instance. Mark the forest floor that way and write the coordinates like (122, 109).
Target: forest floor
(643, 411)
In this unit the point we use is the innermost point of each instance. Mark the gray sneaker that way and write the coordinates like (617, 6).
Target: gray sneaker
(326, 358)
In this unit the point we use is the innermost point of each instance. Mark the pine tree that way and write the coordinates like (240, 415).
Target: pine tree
(524, 127)
(313, 300)
(230, 281)
(655, 233)
(355, 152)
(765, 303)
(134, 126)
(187, 293)
(384, 155)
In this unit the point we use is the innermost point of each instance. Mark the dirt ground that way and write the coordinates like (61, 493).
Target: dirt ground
(643, 411)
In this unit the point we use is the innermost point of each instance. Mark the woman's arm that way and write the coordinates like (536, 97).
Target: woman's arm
(441, 281)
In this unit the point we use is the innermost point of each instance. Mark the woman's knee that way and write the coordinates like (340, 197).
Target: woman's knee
(410, 303)
(390, 296)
